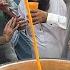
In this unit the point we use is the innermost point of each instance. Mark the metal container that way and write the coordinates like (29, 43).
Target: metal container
(47, 64)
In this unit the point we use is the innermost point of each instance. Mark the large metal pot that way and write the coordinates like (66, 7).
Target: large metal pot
(47, 64)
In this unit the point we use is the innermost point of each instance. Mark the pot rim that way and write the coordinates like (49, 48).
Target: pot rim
(33, 60)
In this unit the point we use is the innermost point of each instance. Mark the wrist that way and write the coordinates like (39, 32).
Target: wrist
(3, 40)
(6, 38)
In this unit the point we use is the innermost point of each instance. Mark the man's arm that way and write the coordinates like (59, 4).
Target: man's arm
(53, 20)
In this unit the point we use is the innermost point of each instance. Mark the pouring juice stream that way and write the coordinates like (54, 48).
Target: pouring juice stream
(35, 45)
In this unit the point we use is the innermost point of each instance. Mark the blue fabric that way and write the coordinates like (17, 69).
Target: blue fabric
(16, 1)
(15, 37)
(24, 47)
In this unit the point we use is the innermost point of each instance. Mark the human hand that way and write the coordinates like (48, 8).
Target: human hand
(9, 29)
(22, 23)
(39, 16)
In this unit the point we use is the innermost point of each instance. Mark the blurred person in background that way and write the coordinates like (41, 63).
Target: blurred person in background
(7, 48)
(51, 28)
(20, 41)
(66, 52)
(7, 53)
(52, 36)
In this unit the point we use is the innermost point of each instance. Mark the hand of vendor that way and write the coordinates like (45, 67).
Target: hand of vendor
(10, 29)
(39, 16)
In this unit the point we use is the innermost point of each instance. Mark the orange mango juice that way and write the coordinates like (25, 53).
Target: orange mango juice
(33, 5)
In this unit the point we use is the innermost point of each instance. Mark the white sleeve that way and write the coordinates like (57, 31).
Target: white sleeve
(57, 20)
